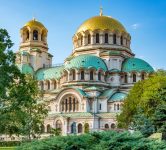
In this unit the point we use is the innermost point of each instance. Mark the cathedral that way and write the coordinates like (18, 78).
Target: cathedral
(86, 92)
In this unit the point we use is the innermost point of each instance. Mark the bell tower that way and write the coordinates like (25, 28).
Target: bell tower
(33, 48)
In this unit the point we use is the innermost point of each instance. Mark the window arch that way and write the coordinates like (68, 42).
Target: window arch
(48, 84)
(97, 38)
(121, 40)
(69, 104)
(73, 75)
(125, 78)
(106, 126)
(35, 35)
(106, 37)
(73, 127)
(48, 128)
(134, 77)
(82, 75)
(89, 39)
(114, 38)
(113, 126)
(143, 76)
(91, 75)
(79, 128)
(99, 76)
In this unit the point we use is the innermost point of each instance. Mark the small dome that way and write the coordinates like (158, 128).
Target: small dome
(117, 97)
(86, 61)
(136, 64)
(49, 73)
(25, 69)
(35, 23)
(101, 23)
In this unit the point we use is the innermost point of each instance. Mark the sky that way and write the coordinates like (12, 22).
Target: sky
(145, 20)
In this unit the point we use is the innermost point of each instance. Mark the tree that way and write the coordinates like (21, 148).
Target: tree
(146, 95)
(21, 109)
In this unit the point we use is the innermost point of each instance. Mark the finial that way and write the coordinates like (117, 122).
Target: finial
(101, 10)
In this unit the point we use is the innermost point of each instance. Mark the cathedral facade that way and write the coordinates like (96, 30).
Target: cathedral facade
(86, 92)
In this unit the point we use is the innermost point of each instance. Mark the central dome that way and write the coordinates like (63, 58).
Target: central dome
(101, 23)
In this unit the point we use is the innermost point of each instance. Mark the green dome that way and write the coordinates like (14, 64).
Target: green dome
(49, 73)
(86, 61)
(136, 64)
(117, 97)
(25, 68)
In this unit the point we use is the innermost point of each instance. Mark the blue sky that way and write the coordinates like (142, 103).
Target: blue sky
(145, 20)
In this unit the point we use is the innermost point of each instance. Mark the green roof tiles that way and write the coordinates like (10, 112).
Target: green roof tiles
(86, 61)
(136, 64)
(25, 68)
(107, 93)
(117, 97)
(49, 73)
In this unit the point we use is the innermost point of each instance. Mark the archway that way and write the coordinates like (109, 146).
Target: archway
(113, 126)
(73, 127)
(79, 128)
(106, 126)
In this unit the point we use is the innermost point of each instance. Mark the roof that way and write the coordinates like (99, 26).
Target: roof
(107, 93)
(114, 70)
(101, 23)
(117, 97)
(35, 23)
(49, 73)
(25, 68)
(136, 64)
(86, 61)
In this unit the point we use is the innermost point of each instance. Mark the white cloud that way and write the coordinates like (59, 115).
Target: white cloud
(135, 26)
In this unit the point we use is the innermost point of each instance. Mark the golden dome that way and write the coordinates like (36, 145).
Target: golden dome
(101, 23)
(35, 23)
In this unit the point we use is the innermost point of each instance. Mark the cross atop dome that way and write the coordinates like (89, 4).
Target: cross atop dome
(101, 10)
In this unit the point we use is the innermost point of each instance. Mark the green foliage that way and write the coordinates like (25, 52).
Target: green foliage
(96, 141)
(21, 110)
(146, 95)
(9, 143)
(56, 132)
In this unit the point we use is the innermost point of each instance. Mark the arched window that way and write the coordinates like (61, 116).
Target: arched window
(99, 76)
(89, 39)
(79, 128)
(55, 85)
(58, 124)
(48, 128)
(81, 40)
(125, 78)
(99, 106)
(86, 128)
(91, 75)
(27, 37)
(82, 75)
(134, 77)
(42, 128)
(143, 76)
(73, 74)
(114, 39)
(35, 35)
(121, 40)
(70, 104)
(42, 85)
(118, 108)
(97, 38)
(114, 106)
(48, 83)
(106, 38)
(106, 126)
(73, 127)
(113, 126)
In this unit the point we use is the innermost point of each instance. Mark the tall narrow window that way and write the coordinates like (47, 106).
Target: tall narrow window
(27, 38)
(81, 40)
(142, 76)
(35, 35)
(55, 85)
(97, 38)
(99, 76)
(82, 75)
(106, 38)
(134, 77)
(91, 75)
(117, 106)
(74, 75)
(100, 107)
(42, 85)
(125, 79)
(48, 83)
(89, 39)
(121, 40)
(114, 39)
